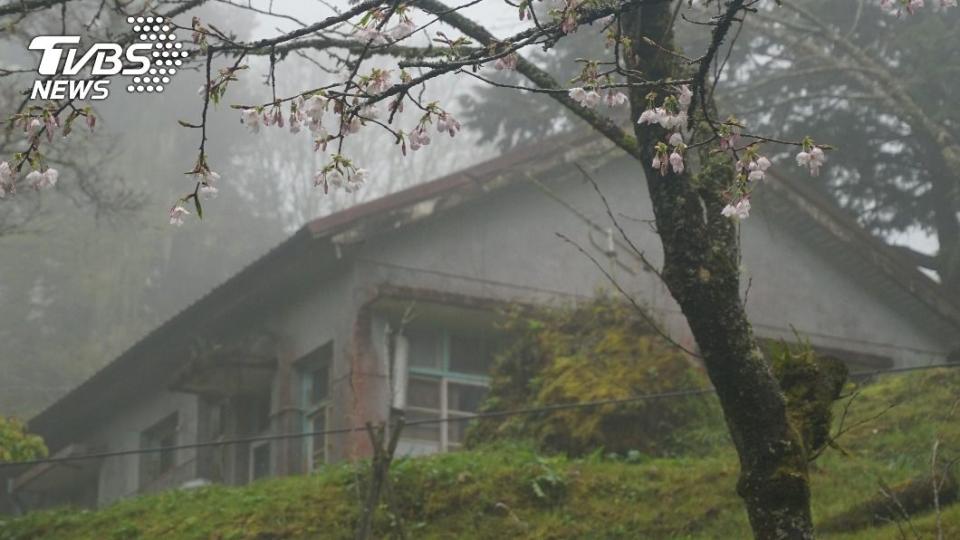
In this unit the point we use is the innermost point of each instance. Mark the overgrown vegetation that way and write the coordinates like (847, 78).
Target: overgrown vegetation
(513, 490)
(596, 351)
(16, 444)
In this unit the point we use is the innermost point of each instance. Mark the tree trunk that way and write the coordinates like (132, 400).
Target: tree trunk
(701, 270)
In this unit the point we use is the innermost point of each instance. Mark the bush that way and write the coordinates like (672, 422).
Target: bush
(597, 351)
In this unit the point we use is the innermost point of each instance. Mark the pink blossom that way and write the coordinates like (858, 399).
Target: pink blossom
(507, 62)
(419, 138)
(676, 161)
(447, 123)
(676, 139)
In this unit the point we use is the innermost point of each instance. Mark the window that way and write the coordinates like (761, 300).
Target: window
(163, 434)
(259, 460)
(448, 380)
(315, 380)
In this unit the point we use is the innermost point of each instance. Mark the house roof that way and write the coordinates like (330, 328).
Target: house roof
(318, 246)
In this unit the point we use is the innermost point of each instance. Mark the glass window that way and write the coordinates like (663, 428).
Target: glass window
(320, 383)
(425, 349)
(163, 434)
(318, 450)
(465, 397)
(260, 460)
(448, 380)
(423, 393)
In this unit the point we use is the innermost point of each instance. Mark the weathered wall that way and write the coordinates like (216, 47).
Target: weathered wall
(119, 476)
(507, 247)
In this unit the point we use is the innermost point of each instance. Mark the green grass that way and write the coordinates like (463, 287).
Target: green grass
(509, 491)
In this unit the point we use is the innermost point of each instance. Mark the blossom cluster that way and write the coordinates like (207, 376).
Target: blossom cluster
(671, 115)
(912, 6)
(36, 179)
(596, 89)
(340, 173)
(370, 29)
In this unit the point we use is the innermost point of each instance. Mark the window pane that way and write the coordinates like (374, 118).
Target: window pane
(422, 432)
(319, 384)
(465, 397)
(424, 349)
(261, 461)
(319, 423)
(423, 393)
(469, 355)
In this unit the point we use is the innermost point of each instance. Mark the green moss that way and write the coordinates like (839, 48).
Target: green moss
(596, 351)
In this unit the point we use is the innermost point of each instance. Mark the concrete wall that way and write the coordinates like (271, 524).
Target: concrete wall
(506, 247)
(119, 476)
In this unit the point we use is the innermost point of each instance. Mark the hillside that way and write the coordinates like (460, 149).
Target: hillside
(509, 491)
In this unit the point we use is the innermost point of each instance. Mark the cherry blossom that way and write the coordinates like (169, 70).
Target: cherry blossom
(676, 162)
(738, 210)
(811, 157)
(676, 139)
(419, 138)
(403, 29)
(251, 118)
(614, 99)
(44, 180)
(33, 128)
(378, 81)
(447, 123)
(586, 98)
(177, 213)
(7, 177)
(207, 191)
(685, 95)
(507, 62)
(372, 35)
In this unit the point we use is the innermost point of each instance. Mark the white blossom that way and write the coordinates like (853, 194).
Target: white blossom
(740, 210)
(614, 99)
(208, 191)
(33, 128)
(586, 98)
(251, 118)
(176, 215)
(676, 139)
(403, 29)
(685, 96)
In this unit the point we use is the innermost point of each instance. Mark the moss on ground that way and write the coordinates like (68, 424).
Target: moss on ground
(512, 491)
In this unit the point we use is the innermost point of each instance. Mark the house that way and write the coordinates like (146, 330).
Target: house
(303, 339)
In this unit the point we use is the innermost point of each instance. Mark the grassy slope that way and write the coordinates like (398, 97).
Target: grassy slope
(511, 492)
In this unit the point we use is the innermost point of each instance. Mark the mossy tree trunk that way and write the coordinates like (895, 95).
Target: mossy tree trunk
(701, 270)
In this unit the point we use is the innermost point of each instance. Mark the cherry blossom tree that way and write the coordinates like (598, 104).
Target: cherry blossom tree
(700, 165)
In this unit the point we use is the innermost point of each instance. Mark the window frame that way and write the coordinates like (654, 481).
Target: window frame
(319, 358)
(167, 427)
(444, 376)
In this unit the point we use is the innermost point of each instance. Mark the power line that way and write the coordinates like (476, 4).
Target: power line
(478, 416)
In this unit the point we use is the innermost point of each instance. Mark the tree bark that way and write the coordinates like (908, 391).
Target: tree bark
(701, 270)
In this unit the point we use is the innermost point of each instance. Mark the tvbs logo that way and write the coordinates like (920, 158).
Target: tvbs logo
(150, 62)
